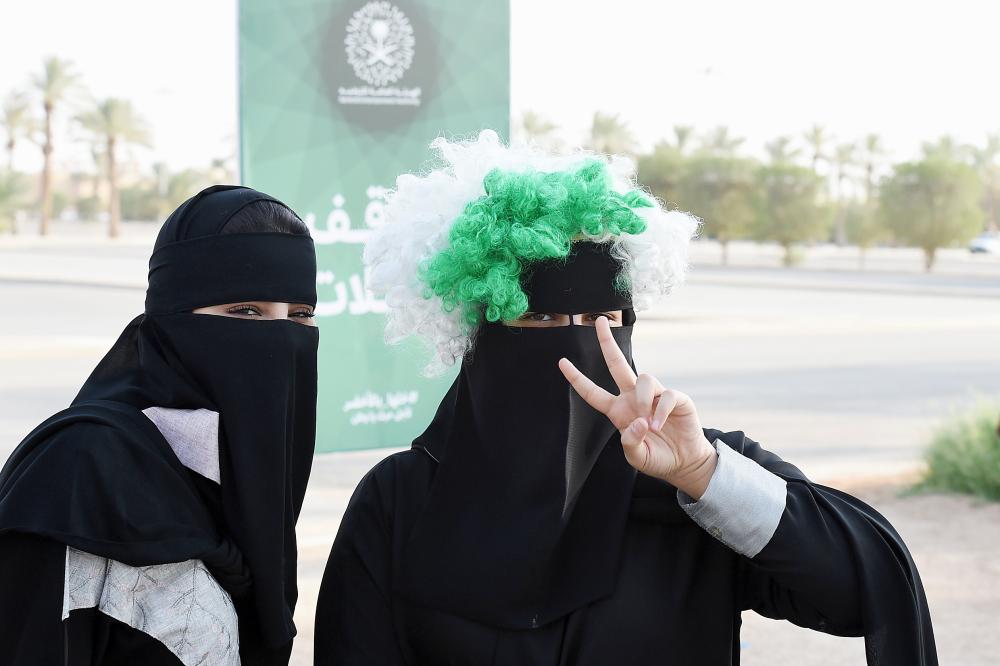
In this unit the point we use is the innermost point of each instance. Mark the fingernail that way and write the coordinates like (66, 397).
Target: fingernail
(637, 426)
(655, 425)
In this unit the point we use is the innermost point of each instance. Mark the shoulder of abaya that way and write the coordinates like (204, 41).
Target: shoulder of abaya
(400, 481)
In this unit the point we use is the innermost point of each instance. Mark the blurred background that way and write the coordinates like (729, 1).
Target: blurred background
(844, 302)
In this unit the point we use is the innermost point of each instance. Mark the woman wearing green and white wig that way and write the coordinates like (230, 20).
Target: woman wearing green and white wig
(562, 508)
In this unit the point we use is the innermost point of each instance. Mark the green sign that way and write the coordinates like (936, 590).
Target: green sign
(337, 98)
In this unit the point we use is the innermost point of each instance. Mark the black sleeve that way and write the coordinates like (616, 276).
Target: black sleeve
(836, 565)
(354, 621)
(32, 630)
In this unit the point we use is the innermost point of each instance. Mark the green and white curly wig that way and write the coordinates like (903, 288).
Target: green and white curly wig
(456, 239)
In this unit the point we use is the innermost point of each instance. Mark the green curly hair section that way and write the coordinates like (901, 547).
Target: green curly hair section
(524, 217)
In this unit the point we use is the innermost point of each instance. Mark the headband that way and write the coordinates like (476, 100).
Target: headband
(588, 280)
(226, 268)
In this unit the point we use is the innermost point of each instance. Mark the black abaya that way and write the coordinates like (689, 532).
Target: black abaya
(833, 564)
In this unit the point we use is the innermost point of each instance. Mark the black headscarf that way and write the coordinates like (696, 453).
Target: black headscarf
(120, 492)
(527, 513)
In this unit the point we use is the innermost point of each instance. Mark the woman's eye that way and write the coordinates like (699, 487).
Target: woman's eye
(594, 316)
(536, 316)
(245, 310)
(304, 314)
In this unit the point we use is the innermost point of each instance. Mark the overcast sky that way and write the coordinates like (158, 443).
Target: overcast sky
(906, 70)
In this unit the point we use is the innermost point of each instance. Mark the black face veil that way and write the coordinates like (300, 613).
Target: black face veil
(526, 516)
(260, 376)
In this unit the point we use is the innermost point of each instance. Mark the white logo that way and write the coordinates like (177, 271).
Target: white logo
(379, 43)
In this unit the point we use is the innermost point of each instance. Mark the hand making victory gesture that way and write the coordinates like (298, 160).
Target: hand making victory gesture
(660, 429)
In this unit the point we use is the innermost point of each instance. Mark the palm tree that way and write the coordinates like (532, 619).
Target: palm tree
(17, 122)
(780, 150)
(534, 126)
(611, 135)
(682, 137)
(873, 152)
(721, 142)
(816, 137)
(945, 148)
(843, 161)
(55, 83)
(116, 122)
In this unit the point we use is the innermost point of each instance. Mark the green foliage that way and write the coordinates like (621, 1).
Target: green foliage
(864, 225)
(87, 208)
(57, 80)
(609, 134)
(60, 200)
(964, 455)
(17, 121)
(535, 128)
(787, 205)
(932, 204)
(181, 186)
(720, 190)
(662, 172)
(140, 203)
(12, 190)
(115, 120)
(524, 217)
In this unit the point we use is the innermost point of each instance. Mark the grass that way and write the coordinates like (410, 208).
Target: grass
(964, 455)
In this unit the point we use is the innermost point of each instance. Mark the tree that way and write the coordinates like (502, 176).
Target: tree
(662, 171)
(533, 127)
(610, 135)
(932, 204)
(17, 122)
(843, 163)
(721, 142)
(682, 137)
(863, 226)
(183, 185)
(11, 193)
(816, 138)
(719, 190)
(54, 84)
(780, 150)
(873, 152)
(985, 161)
(116, 122)
(787, 208)
(945, 148)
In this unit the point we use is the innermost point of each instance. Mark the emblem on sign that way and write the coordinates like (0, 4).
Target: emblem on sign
(379, 43)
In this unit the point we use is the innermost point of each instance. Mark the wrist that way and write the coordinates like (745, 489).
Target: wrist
(693, 477)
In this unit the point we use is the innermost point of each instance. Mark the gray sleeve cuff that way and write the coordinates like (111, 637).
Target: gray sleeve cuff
(741, 506)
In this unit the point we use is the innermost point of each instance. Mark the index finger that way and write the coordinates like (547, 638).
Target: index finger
(591, 393)
(618, 365)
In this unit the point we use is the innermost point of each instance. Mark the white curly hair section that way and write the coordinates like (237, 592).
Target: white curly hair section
(419, 213)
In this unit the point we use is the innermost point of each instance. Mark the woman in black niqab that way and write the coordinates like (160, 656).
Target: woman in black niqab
(559, 509)
(105, 477)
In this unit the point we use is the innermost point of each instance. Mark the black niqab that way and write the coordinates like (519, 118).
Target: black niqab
(260, 376)
(525, 520)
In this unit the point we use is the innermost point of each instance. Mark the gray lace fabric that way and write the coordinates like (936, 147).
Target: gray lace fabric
(179, 604)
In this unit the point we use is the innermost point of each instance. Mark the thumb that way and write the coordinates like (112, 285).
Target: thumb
(632, 437)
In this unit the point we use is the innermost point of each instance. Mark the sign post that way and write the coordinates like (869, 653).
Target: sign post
(337, 98)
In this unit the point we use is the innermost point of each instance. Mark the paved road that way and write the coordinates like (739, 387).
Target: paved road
(844, 374)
